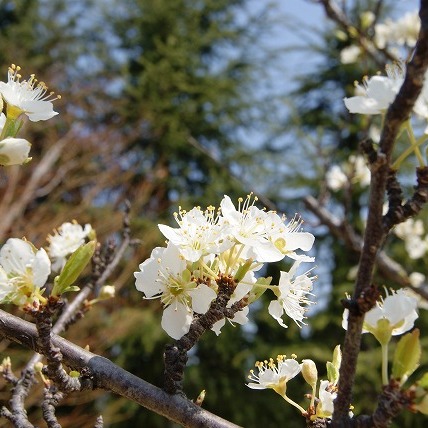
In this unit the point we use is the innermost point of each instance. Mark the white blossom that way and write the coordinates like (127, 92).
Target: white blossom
(291, 296)
(327, 394)
(376, 93)
(13, 151)
(200, 233)
(350, 54)
(24, 270)
(361, 171)
(397, 310)
(66, 240)
(410, 229)
(336, 179)
(165, 275)
(274, 375)
(264, 235)
(27, 96)
(416, 279)
(403, 31)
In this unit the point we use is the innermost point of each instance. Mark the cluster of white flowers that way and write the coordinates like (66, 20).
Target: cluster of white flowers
(24, 269)
(391, 35)
(354, 170)
(233, 242)
(403, 31)
(22, 97)
(412, 232)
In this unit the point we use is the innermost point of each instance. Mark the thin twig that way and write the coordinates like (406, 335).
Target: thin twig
(388, 268)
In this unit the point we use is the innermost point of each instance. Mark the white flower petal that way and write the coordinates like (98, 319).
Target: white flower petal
(41, 267)
(176, 320)
(202, 296)
(276, 310)
(15, 255)
(217, 326)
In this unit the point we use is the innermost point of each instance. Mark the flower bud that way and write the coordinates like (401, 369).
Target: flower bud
(6, 364)
(38, 367)
(310, 372)
(107, 292)
(14, 151)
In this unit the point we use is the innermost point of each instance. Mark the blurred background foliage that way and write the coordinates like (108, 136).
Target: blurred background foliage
(159, 101)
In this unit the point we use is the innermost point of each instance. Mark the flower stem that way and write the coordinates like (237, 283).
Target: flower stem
(385, 380)
(414, 147)
(293, 403)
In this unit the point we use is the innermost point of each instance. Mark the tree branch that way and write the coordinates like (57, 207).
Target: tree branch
(374, 236)
(388, 267)
(111, 377)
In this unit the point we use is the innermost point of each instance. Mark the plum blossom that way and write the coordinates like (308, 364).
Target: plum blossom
(361, 172)
(66, 240)
(327, 394)
(291, 296)
(27, 96)
(350, 54)
(264, 236)
(274, 375)
(376, 93)
(24, 270)
(412, 231)
(403, 31)
(416, 279)
(392, 316)
(354, 169)
(165, 275)
(200, 233)
(336, 179)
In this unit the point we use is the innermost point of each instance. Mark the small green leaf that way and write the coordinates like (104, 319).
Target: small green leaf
(73, 268)
(71, 288)
(242, 270)
(337, 357)
(334, 367)
(407, 356)
(259, 288)
(332, 373)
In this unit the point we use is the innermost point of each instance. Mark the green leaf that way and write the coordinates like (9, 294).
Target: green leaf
(332, 372)
(242, 270)
(407, 356)
(73, 268)
(259, 288)
(334, 367)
